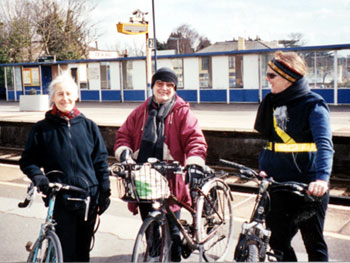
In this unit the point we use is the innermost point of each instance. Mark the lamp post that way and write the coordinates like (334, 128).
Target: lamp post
(154, 37)
(138, 25)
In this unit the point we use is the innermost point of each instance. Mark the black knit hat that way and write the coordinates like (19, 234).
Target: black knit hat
(164, 74)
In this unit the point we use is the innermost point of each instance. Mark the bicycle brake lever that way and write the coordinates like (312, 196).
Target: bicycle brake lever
(29, 197)
(87, 206)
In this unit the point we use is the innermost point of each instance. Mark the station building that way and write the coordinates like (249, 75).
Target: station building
(221, 73)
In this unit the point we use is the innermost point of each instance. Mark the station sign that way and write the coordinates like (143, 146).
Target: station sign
(47, 59)
(132, 28)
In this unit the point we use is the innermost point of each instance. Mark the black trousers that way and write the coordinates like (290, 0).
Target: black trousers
(75, 234)
(174, 232)
(283, 222)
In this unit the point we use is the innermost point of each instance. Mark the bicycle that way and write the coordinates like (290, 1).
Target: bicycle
(210, 231)
(253, 242)
(47, 247)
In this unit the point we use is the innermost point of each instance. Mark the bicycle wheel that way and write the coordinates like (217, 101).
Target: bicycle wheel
(253, 253)
(47, 249)
(215, 220)
(153, 241)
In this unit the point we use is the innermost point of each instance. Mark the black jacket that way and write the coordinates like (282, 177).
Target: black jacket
(74, 147)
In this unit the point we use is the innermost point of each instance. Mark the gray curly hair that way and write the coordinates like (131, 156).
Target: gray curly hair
(63, 79)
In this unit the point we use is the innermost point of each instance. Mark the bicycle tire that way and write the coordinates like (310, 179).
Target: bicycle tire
(47, 249)
(153, 241)
(253, 253)
(215, 220)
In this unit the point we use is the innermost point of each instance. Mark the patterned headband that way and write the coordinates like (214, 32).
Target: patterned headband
(284, 71)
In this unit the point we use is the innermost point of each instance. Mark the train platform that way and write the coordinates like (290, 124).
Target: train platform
(212, 116)
(215, 117)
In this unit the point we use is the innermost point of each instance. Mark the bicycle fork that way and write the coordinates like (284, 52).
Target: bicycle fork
(252, 233)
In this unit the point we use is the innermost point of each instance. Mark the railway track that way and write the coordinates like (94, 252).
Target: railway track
(339, 195)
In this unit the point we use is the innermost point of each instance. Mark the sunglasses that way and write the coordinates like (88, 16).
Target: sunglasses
(271, 75)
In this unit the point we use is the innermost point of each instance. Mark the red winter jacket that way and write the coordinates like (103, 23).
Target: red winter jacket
(183, 138)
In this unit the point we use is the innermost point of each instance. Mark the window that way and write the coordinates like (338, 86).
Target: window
(31, 76)
(105, 75)
(129, 71)
(265, 59)
(83, 79)
(235, 66)
(232, 71)
(320, 69)
(343, 69)
(204, 73)
(239, 71)
(178, 68)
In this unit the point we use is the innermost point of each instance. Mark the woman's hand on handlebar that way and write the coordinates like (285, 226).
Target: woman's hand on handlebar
(318, 188)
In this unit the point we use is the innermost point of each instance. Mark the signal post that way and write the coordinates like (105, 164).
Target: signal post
(138, 25)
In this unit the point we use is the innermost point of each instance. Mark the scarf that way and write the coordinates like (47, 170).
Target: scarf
(70, 115)
(264, 117)
(153, 133)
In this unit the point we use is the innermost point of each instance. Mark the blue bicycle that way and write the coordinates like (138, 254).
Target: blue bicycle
(47, 247)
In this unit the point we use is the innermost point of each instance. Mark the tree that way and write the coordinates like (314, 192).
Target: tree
(295, 40)
(17, 32)
(63, 29)
(162, 45)
(4, 48)
(47, 27)
(183, 39)
(203, 43)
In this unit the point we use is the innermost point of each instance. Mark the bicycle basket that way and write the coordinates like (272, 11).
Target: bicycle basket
(145, 183)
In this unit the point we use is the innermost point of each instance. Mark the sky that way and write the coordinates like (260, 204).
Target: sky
(321, 22)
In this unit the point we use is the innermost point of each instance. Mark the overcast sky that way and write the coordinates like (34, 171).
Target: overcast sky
(322, 22)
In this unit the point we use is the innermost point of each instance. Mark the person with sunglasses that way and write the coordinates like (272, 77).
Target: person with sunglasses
(164, 127)
(296, 123)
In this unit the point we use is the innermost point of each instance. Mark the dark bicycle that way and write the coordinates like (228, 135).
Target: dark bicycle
(253, 242)
(210, 231)
(47, 247)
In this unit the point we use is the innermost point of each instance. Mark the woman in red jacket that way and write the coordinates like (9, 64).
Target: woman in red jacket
(164, 127)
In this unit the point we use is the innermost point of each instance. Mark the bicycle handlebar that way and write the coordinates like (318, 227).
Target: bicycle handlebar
(57, 186)
(297, 188)
(163, 167)
(245, 172)
(29, 197)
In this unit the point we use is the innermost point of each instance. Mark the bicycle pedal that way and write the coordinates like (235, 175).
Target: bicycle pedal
(29, 246)
(183, 222)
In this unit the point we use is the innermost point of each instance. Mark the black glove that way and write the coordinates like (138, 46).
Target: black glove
(42, 182)
(194, 176)
(125, 157)
(103, 202)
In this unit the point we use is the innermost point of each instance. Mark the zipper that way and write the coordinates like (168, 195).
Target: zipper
(71, 143)
(68, 125)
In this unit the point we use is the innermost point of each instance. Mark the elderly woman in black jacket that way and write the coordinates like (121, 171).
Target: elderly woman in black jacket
(67, 141)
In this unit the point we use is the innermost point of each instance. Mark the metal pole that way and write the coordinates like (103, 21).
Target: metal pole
(148, 68)
(5, 78)
(154, 37)
(335, 76)
(315, 71)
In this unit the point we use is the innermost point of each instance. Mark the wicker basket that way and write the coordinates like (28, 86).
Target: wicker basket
(143, 183)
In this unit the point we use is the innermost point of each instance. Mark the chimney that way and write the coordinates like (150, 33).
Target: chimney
(96, 44)
(241, 43)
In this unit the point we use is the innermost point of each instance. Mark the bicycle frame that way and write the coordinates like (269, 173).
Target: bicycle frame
(49, 223)
(164, 208)
(255, 232)
(195, 234)
(47, 229)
